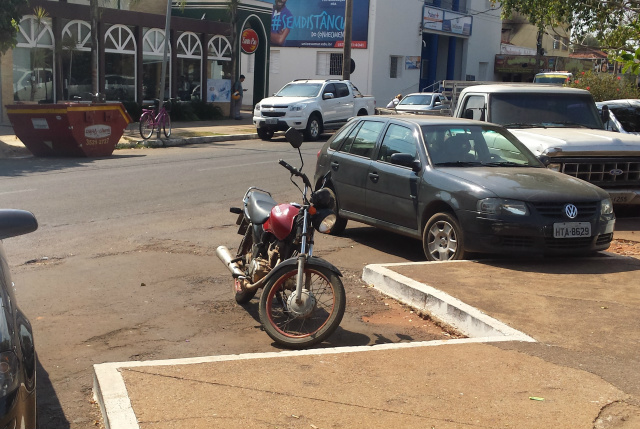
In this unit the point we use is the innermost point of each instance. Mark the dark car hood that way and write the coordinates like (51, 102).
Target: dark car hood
(527, 184)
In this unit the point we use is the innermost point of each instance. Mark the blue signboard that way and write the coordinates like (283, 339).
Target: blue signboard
(318, 23)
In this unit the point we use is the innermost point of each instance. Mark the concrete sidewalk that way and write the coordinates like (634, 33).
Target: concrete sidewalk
(550, 346)
(183, 133)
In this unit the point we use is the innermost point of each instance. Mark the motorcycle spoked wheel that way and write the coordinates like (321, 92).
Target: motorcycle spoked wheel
(299, 326)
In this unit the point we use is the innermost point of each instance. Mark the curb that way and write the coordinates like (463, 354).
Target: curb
(173, 142)
(466, 319)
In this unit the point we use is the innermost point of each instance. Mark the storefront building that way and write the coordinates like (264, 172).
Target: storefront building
(395, 49)
(52, 60)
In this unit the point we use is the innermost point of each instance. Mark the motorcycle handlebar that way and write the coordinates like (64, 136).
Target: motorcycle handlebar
(294, 171)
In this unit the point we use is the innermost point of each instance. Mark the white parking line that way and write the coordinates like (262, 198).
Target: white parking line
(17, 192)
(110, 391)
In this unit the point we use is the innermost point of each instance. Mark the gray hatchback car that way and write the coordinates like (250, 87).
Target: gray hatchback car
(460, 186)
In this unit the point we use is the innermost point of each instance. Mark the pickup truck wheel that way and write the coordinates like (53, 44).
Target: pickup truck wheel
(265, 133)
(362, 112)
(314, 128)
(442, 238)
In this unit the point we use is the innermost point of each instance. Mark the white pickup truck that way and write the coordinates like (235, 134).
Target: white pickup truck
(311, 106)
(564, 129)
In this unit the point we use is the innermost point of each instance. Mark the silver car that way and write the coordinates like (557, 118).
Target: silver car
(421, 101)
(624, 115)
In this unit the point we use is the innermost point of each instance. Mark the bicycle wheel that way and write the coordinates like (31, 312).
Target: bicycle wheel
(146, 125)
(166, 125)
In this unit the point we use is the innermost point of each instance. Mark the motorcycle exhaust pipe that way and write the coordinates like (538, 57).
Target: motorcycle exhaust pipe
(225, 256)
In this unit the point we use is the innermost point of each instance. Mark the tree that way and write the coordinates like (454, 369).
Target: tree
(10, 14)
(614, 23)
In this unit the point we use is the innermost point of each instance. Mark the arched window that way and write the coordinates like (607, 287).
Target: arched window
(33, 61)
(152, 57)
(120, 63)
(189, 53)
(76, 60)
(219, 58)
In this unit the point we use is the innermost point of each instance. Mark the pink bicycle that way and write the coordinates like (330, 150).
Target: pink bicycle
(149, 120)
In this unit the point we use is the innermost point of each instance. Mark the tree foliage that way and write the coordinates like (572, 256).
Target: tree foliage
(10, 14)
(606, 86)
(614, 23)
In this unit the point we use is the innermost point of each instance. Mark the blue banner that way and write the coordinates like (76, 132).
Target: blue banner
(318, 23)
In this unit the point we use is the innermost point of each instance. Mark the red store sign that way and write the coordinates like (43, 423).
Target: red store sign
(249, 41)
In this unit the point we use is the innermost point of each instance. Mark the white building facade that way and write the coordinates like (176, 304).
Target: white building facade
(409, 45)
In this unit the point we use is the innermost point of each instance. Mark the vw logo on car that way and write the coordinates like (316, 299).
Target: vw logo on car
(570, 211)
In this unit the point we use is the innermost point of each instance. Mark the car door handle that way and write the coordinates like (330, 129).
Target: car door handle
(335, 165)
(374, 177)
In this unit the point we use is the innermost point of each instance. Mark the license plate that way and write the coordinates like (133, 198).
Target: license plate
(272, 121)
(571, 229)
(621, 197)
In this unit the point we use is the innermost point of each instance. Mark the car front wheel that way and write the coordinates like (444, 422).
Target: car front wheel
(442, 238)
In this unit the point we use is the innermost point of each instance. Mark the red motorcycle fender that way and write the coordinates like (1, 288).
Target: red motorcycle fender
(292, 264)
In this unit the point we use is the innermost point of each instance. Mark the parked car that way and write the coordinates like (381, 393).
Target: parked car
(17, 352)
(421, 101)
(558, 78)
(624, 115)
(460, 186)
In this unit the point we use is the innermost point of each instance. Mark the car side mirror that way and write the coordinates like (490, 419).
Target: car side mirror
(328, 96)
(406, 160)
(545, 160)
(605, 115)
(294, 137)
(16, 222)
(468, 114)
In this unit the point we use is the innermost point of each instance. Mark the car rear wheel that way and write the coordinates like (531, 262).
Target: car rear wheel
(442, 238)
(314, 128)
(341, 223)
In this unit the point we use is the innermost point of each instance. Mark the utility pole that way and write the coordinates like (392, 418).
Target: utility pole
(346, 53)
(163, 76)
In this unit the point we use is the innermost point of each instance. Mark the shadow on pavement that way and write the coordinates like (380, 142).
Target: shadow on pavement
(13, 167)
(50, 413)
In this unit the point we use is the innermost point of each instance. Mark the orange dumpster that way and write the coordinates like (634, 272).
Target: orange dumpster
(69, 129)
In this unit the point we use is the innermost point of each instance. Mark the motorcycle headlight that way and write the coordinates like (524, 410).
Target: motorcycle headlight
(324, 220)
(498, 206)
(606, 206)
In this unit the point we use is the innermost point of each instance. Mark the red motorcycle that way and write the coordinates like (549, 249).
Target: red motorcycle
(303, 300)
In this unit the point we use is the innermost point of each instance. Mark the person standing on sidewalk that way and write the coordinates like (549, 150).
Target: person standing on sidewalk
(238, 93)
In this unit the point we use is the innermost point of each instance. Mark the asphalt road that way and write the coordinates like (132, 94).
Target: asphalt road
(123, 265)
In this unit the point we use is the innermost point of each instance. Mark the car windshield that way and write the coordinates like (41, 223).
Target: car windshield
(628, 116)
(514, 110)
(476, 146)
(300, 90)
(413, 100)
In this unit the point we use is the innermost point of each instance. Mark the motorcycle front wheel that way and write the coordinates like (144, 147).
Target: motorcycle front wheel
(297, 324)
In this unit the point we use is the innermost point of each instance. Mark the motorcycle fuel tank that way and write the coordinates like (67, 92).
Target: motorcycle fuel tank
(280, 222)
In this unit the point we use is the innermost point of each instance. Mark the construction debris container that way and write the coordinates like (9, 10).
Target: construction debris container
(69, 129)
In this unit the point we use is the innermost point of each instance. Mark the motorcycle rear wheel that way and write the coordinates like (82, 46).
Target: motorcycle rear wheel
(299, 327)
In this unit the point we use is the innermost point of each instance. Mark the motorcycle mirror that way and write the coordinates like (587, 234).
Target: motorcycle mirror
(294, 137)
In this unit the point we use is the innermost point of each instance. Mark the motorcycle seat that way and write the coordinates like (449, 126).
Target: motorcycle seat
(259, 207)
